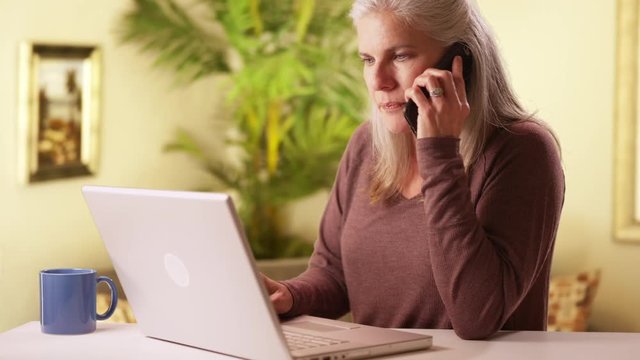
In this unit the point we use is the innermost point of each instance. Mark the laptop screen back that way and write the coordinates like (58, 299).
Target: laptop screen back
(187, 270)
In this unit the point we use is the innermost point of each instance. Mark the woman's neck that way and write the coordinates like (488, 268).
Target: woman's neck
(412, 185)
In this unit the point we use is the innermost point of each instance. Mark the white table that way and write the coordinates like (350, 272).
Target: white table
(124, 341)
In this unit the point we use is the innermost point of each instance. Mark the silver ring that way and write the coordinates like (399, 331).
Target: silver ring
(436, 92)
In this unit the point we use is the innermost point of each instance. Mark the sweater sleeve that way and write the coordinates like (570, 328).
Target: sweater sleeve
(321, 290)
(486, 257)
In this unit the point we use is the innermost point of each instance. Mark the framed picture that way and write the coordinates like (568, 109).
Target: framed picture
(59, 88)
(626, 217)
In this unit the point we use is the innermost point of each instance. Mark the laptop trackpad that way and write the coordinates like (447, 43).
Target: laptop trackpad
(314, 326)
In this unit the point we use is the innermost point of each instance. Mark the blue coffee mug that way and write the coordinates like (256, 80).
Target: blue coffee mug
(68, 300)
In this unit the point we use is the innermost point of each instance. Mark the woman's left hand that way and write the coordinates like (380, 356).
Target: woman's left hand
(444, 114)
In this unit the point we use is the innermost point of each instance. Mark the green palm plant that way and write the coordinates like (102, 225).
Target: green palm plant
(292, 87)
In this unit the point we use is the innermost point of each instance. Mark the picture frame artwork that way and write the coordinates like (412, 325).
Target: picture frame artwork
(626, 210)
(59, 110)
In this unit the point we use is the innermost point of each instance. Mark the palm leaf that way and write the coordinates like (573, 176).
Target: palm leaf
(164, 28)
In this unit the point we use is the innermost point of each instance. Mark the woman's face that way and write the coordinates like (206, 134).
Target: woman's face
(393, 55)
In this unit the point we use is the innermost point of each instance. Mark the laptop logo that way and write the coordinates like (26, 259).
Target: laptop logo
(176, 270)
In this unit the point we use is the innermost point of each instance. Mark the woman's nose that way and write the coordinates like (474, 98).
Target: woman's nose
(383, 79)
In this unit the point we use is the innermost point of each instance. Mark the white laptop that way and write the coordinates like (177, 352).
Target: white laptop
(190, 278)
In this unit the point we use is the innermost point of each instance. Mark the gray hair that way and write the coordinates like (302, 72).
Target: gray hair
(490, 96)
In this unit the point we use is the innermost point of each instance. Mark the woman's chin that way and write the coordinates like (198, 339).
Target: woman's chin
(396, 125)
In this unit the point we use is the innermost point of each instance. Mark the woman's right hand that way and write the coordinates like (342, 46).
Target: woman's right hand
(279, 294)
(443, 115)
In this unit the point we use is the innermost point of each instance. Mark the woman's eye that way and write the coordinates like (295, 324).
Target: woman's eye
(401, 57)
(367, 60)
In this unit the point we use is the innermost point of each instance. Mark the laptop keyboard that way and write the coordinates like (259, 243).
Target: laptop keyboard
(298, 341)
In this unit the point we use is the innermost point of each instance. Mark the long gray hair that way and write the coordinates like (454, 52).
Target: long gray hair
(490, 96)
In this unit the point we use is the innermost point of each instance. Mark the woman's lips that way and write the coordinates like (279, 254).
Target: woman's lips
(392, 106)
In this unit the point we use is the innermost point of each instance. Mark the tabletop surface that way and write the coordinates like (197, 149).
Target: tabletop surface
(125, 341)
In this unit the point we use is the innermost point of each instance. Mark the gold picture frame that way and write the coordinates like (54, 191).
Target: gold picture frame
(59, 110)
(626, 217)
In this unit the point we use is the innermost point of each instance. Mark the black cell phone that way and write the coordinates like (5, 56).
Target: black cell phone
(411, 109)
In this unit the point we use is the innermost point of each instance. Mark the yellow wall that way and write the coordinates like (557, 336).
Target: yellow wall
(47, 225)
(560, 54)
(561, 57)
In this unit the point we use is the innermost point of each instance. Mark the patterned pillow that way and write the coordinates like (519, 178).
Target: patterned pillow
(570, 299)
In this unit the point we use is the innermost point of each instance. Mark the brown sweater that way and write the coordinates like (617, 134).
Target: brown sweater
(472, 253)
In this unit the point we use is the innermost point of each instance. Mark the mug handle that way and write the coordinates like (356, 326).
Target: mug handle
(114, 298)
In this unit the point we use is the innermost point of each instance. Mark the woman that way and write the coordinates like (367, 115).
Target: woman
(454, 228)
